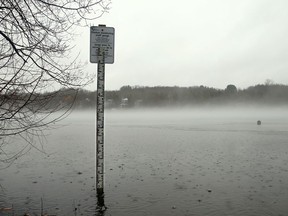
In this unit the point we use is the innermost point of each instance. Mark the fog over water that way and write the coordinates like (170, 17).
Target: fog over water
(190, 161)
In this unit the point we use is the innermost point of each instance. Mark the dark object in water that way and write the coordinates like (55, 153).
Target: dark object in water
(258, 122)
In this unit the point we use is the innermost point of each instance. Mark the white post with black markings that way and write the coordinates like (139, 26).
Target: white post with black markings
(101, 52)
(100, 123)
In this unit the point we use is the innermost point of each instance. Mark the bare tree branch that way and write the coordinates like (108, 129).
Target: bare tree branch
(35, 41)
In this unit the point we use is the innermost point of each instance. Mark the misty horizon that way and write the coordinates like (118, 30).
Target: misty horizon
(162, 96)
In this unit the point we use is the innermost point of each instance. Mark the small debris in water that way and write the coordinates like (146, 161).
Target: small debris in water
(209, 191)
(258, 122)
(79, 173)
(199, 200)
(173, 207)
(35, 182)
(5, 209)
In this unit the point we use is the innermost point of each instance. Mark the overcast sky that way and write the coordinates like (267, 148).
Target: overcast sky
(195, 42)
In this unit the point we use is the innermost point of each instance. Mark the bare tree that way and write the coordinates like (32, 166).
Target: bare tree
(35, 44)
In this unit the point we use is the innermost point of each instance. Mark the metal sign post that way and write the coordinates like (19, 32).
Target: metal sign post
(101, 52)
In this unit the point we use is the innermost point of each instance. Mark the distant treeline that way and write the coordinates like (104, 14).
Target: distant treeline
(160, 96)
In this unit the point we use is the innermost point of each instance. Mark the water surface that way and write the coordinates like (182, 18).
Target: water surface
(158, 162)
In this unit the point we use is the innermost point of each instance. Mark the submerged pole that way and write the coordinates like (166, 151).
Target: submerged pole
(100, 126)
(101, 52)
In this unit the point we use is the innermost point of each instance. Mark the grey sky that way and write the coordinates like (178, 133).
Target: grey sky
(195, 42)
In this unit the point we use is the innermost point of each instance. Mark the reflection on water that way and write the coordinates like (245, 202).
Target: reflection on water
(101, 207)
(158, 163)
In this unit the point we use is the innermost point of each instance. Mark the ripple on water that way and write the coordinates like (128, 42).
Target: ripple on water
(157, 167)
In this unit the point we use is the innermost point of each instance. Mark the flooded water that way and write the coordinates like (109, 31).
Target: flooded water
(158, 162)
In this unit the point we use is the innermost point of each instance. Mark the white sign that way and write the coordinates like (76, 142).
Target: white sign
(101, 36)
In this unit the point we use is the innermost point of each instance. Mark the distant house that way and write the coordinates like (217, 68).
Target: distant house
(124, 103)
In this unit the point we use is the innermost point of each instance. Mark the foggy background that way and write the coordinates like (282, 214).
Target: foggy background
(191, 43)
